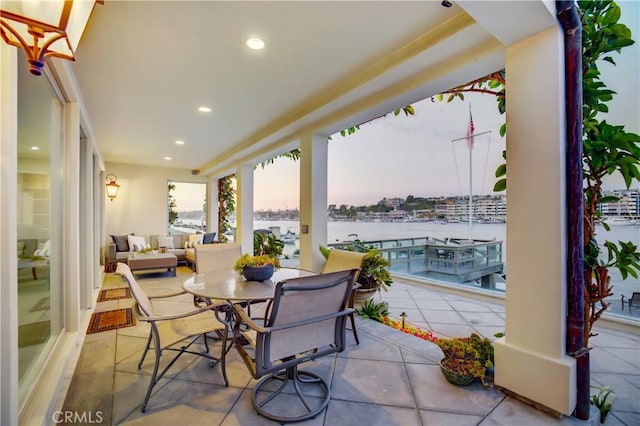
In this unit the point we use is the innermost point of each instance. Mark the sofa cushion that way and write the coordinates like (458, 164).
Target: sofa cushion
(122, 256)
(208, 238)
(121, 241)
(137, 243)
(165, 242)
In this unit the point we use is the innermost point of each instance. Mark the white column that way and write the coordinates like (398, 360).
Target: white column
(212, 207)
(313, 200)
(8, 230)
(531, 359)
(244, 210)
(71, 222)
(87, 254)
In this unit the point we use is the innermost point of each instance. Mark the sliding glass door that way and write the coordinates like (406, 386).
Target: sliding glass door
(39, 217)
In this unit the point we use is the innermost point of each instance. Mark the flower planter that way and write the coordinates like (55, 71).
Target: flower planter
(362, 295)
(257, 273)
(453, 377)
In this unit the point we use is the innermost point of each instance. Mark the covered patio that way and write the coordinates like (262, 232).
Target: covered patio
(142, 65)
(391, 378)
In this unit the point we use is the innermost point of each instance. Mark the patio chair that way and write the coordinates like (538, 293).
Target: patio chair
(632, 302)
(169, 330)
(306, 321)
(212, 257)
(340, 260)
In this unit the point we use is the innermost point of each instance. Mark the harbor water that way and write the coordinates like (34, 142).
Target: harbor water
(371, 231)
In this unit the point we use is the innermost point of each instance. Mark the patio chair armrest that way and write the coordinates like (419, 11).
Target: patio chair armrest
(244, 317)
(179, 315)
(177, 292)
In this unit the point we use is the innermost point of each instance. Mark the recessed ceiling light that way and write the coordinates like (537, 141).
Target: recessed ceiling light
(167, 158)
(204, 108)
(255, 43)
(35, 148)
(179, 142)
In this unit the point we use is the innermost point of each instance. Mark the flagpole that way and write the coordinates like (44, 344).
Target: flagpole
(470, 143)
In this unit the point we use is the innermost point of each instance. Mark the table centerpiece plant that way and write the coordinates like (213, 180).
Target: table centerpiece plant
(257, 268)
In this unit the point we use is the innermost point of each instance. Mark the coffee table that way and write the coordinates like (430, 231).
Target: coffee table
(149, 261)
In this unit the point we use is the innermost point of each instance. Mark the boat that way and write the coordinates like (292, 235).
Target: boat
(288, 238)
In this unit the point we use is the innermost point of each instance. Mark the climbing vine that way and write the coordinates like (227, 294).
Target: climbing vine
(226, 206)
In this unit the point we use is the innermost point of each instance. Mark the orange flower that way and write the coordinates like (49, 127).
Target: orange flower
(409, 329)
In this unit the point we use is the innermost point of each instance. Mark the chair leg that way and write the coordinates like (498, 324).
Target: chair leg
(146, 349)
(353, 328)
(156, 366)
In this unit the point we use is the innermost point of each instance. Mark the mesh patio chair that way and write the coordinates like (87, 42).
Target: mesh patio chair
(169, 330)
(306, 321)
(340, 260)
(212, 257)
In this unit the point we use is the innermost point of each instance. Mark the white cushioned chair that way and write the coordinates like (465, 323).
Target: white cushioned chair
(340, 260)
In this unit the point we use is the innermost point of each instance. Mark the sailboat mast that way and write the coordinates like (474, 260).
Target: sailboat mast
(470, 195)
(470, 146)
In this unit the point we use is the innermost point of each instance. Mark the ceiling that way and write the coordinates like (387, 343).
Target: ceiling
(144, 67)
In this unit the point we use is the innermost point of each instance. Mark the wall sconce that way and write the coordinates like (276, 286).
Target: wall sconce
(112, 186)
(45, 28)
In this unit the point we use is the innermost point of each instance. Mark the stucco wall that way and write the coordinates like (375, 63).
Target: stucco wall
(141, 204)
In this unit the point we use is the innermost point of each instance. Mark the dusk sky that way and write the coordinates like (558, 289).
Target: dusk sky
(396, 156)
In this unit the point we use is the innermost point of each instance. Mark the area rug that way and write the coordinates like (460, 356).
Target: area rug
(114, 294)
(42, 305)
(33, 333)
(110, 320)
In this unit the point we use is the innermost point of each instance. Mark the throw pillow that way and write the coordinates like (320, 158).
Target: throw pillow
(195, 239)
(137, 243)
(165, 242)
(45, 250)
(209, 238)
(122, 242)
(20, 248)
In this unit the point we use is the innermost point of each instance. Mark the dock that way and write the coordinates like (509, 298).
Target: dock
(451, 259)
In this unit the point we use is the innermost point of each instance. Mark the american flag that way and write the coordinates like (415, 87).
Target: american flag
(470, 130)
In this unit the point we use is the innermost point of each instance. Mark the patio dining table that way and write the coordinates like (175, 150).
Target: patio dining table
(231, 286)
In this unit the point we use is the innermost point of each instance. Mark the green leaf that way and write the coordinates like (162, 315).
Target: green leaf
(500, 185)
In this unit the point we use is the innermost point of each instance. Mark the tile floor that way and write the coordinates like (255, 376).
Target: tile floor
(391, 378)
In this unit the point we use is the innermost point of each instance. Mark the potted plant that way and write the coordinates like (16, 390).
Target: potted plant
(267, 244)
(466, 358)
(374, 273)
(257, 268)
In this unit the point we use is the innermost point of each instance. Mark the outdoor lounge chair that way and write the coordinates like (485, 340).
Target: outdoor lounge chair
(632, 302)
(340, 260)
(306, 321)
(169, 330)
